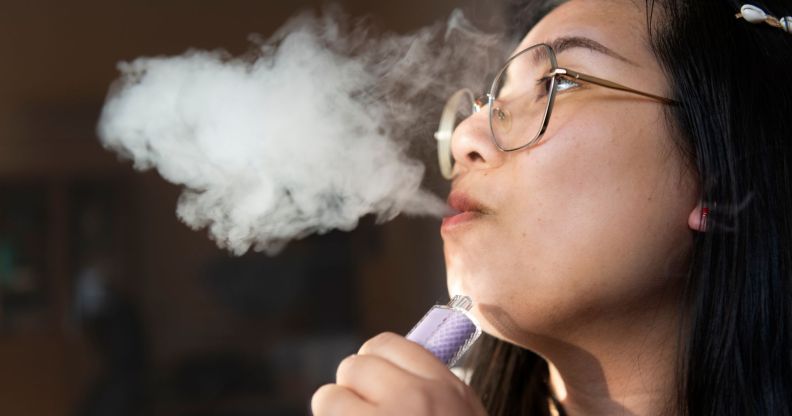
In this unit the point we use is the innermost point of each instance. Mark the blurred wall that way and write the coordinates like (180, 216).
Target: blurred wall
(98, 214)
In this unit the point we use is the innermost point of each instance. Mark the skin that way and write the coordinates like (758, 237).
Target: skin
(578, 252)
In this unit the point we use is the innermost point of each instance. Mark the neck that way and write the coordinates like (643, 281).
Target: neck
(617, 369)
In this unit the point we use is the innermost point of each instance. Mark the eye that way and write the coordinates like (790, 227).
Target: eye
(562, 84)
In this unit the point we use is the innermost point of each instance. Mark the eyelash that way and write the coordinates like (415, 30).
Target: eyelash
(546, 81)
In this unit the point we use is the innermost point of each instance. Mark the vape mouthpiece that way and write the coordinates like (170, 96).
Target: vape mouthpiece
(447, 331)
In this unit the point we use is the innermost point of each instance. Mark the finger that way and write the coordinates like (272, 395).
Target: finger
(408, 355)
(374, 378)
(332, 400)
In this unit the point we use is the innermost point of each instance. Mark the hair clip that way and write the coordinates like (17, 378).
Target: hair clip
(754, 14)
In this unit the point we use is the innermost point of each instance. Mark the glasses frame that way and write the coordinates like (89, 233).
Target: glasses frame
(445, 130)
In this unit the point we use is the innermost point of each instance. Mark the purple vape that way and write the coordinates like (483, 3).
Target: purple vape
(447, 331)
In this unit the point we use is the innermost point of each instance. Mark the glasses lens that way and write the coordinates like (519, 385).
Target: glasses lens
(521, 93)
(458, 108)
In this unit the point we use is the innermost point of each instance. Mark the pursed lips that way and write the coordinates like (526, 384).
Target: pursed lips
(461, 202)
(464, 209)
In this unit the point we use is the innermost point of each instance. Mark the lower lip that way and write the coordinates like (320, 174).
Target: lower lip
(459, 219)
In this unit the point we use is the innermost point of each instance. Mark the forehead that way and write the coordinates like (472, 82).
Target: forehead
(618, 24)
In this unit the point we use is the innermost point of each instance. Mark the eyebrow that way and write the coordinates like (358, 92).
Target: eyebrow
(570, 42)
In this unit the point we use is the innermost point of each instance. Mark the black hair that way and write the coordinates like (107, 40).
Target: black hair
(733, 82)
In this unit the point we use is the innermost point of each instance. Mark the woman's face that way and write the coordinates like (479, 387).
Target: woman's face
(591, 224)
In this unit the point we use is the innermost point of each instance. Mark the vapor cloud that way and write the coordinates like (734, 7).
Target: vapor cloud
(306, 133)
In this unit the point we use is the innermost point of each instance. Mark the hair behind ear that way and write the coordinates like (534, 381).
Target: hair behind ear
(734, 124)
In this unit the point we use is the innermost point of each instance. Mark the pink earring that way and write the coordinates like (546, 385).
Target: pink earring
(704, 217)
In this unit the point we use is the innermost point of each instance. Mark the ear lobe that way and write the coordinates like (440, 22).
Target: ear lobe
(697, 220)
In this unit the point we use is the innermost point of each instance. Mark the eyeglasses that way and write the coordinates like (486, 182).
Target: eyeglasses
(520, 102)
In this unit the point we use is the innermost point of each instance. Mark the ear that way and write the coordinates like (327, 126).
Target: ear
(697, 220)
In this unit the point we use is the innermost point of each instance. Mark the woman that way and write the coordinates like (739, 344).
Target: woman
(629, 252)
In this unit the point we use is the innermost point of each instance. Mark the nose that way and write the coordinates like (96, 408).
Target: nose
(472, 146)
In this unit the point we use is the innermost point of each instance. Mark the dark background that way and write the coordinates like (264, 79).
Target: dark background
(109, 305)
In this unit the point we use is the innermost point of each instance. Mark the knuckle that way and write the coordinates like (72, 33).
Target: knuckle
(378, 342)
(321, 400)
(346, 367)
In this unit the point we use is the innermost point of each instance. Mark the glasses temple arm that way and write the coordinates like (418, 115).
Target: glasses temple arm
(612, 85)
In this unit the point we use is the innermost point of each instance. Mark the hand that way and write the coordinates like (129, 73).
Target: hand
(391, 375)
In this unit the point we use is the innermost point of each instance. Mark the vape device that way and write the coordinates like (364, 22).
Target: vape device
(447, 331)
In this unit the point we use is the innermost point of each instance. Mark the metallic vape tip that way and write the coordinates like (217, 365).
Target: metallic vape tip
(461, 302)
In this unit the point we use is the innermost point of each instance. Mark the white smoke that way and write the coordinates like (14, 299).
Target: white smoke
(305, 134)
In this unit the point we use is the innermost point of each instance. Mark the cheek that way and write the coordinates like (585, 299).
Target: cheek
(614, 188)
